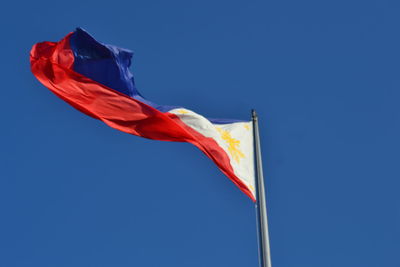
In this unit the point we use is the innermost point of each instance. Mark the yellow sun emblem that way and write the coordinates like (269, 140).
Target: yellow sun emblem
(232, 144)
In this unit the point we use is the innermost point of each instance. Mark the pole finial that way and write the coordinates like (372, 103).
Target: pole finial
(254, 113)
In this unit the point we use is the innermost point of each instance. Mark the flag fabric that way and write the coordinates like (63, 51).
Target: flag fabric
(95, 79)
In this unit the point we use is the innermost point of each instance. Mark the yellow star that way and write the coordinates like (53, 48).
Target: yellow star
(182, 111)
(251, 188)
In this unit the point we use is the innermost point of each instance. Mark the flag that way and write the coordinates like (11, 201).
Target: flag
(95, 79)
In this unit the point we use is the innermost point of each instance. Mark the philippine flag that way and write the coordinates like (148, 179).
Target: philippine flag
(94, 78)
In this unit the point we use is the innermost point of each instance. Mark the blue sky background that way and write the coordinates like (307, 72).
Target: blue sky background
(324, 78)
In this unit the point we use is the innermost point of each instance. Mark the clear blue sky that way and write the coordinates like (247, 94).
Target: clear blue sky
(324, 78)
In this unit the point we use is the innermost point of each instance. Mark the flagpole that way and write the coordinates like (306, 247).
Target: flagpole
(261, 208)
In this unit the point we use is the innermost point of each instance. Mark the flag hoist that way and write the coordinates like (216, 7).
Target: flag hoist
(95, 79)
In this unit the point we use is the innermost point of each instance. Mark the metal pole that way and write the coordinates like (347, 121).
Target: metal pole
(261, 207)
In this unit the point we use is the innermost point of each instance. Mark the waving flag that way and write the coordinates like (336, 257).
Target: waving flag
(94, 78)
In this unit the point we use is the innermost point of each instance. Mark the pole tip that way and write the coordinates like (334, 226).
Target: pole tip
(253, 113)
